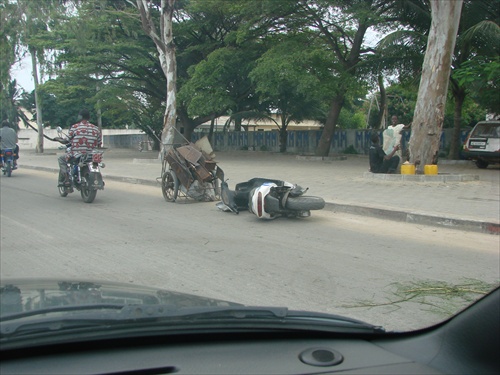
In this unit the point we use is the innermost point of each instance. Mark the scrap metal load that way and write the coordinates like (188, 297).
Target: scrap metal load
(191, 171)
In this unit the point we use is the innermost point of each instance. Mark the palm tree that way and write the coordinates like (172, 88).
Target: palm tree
(478, 35)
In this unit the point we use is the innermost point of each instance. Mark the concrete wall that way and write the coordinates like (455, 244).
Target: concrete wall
(299, 142)
(112, 138)
(305, 142)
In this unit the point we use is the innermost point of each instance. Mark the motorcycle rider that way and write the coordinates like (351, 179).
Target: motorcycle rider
(84, 137)
(8, 139)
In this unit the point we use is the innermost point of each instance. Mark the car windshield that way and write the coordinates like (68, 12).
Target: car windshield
(273, 162)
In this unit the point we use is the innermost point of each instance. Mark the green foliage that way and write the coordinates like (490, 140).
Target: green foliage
(289, 82)
(216, 84)
(103, 64)
(482, 77)
(55, 112)
(213, 66)
(401, 101)
(242, 58)
(352, 119)
(8, 107)
(8, 41)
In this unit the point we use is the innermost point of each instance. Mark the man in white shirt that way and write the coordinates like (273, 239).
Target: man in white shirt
(392, 136)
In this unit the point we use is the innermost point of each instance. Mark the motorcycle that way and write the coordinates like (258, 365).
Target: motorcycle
(84, 171)
(269, 199)
(7, 161)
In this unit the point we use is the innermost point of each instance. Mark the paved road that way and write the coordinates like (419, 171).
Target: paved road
(323, 263)
(461, 196)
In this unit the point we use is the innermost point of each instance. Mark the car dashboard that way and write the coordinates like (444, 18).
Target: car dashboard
(467, 343)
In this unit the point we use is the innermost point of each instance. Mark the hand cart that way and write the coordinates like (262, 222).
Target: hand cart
(189, 171)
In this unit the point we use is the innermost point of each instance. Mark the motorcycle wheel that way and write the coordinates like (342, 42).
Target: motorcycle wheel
(8, 168)
(62, 189)
(170, 186)
(88, 194)
(305, 203)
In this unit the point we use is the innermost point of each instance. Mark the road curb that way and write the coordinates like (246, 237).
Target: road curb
(130, 180)
(417, 218)
(321, 158)
(445, 177)
(394, 215)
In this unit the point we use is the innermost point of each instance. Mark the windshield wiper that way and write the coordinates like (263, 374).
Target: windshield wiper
(280, 317)
(58, 309)
(134, 316)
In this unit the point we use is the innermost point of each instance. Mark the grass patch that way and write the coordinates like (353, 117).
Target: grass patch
(440, 297)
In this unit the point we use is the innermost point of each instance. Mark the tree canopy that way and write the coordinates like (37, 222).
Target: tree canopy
(246, 59)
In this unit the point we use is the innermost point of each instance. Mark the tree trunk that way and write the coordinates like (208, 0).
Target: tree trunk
(327, 135)
(381, 118)
(459, 96)
(237, 124)
(211, 131)
(428, 118)
(187, 124)
(283, 135)
(38, 104)
(170, 70)
(349, 68)
(164, 42)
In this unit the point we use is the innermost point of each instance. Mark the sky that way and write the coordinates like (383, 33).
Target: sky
(21, 72)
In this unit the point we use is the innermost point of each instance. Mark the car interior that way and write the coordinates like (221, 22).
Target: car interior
(468, 343)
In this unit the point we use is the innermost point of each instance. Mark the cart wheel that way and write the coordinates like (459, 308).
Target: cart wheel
(170, 186)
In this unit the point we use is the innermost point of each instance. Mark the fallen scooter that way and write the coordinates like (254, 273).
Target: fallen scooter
(269, 199)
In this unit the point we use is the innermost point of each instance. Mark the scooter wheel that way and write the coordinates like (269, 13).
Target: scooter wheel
(305, 203)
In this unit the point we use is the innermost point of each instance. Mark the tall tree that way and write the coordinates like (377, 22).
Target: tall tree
(105, 62)
(429, 112)
(218, 85)
(482, 77)
(8, 40)
(213, 65)
(478, 38)
(162, 36)
(34, 18)
(289, 80)
(343, 26)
